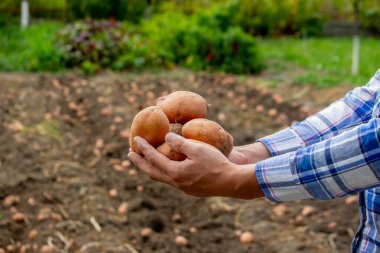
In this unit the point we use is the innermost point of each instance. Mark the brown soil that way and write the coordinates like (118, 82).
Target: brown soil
(64, 146)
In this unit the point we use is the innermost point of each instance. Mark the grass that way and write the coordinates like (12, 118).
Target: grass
(45, 128)
(324, 61)
(31, 49)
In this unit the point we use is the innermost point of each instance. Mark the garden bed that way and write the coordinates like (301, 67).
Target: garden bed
(64, 147)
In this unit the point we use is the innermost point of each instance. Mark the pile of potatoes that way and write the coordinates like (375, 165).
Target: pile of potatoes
(183, 113)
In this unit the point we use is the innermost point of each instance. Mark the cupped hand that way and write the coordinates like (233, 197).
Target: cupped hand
(205, 172)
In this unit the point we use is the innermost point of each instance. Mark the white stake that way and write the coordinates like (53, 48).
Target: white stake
(24, 13)
(355, 55)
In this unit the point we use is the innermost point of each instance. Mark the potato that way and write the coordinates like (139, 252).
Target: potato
(151, 124)
(166, 150)
(210, 132)
(182, 106)
(176, 128)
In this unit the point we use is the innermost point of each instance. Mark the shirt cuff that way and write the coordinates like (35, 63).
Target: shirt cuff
(276, 177)
(283, 142)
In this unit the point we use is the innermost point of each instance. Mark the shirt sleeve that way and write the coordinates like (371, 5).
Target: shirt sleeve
(342, 165)
(354, 109)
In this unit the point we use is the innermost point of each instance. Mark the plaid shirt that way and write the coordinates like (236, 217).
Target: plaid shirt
(331, 154)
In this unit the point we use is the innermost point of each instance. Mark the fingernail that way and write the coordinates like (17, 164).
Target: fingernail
(137, 139)
(170, 137)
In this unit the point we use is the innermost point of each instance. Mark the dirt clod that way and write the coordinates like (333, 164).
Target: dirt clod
(145, 232)
(246, 238)
(11, 200)
(32, 234)
(19, 217)
(46, 249)
(181, 240)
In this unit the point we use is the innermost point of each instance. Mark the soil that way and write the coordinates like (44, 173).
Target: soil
(64, 145)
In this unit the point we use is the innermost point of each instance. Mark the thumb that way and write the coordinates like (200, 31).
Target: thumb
(180, 144)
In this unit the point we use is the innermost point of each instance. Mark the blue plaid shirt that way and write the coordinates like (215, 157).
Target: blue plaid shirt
(332, 154)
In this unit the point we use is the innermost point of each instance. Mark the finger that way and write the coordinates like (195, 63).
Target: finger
(181, 145)
(148, 169)
(151, 154)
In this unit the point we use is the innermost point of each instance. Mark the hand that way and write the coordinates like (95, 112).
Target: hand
(205, 172)
(249, 154)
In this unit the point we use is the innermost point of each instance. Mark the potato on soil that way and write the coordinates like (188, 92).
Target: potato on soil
(210, 132)
(176, 128)
(151, 124)
(182, 106)
(166, 150)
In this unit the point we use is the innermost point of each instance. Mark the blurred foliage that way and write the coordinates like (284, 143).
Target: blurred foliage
(38, 8)
(198, 34)
(141, 54)
(371, 19)
(131, 10)
(109, 44)
(92, 44)
(284, 17)
(34, 4)
(97, 9)
(89, 9)
(187, 7)
(7, 19)
(269, 17)
(258, 17)
(193, 43)
(32, 49)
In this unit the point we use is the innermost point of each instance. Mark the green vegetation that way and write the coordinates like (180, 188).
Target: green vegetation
(130, 10)
(32, 49)
(324, 61)
(272, 17)
(370, 19)
(254, 16)
(90, 42)
(45, 128)
(157, 43)
(321, 61)
(10, 9)
(50, 129)
(34, 4)
(200, 42)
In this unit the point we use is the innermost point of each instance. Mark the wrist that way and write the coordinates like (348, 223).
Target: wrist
(244, 182)
(255, 152)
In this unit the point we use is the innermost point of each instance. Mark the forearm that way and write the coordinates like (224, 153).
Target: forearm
(342, 165)
(243, 183)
